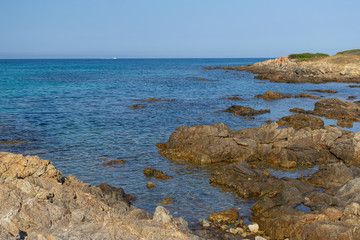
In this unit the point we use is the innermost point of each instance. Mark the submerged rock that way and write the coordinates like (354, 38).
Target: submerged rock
(37, 202)
(246, 111)
(228, 216)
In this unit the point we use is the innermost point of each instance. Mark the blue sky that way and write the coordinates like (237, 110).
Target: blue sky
(174, 28)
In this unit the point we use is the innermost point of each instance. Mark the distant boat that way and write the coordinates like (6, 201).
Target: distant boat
(114, 58)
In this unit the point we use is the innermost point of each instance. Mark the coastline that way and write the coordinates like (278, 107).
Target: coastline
(273, 157)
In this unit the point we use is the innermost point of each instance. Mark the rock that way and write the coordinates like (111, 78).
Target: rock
(335, 172)
(158, 174)
(38, 203)
(270, 95)
(323, 91)
(150, 185)
(334, 108)
(331, 69)
(205, 223)
(306, 95)
(301, 121)
(269, 144)
(149, 172)
(224, 227)
(228, 216)
(259, 238)
(156, 100)
(167, 201)
(246, 111)
(345, 123)
(113, 162)
(136, 106)
(254, 227)
(235, 98)
(233, 230)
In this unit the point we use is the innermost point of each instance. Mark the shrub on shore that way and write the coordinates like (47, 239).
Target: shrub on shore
(350, 52)
(307, 56)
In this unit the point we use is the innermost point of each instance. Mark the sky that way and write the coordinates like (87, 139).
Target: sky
(176, 28)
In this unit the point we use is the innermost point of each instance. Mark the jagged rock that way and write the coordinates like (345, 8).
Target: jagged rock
(337, 109)
(283, 147)
(38, 203)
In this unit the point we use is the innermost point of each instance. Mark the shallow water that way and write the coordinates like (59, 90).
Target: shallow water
(76, 114)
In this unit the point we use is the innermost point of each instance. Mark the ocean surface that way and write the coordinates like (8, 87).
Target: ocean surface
(76, 113)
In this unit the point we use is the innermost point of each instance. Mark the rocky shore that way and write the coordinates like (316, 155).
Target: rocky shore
(324, 205)
(338, 68)
(37, 202)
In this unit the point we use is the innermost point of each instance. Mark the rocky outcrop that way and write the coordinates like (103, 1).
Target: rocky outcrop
(344, 111)
(329, 214)
(286, 148)
(301, 121)
(339, 68)
(324, 206)
(37, 202)
(246, 111)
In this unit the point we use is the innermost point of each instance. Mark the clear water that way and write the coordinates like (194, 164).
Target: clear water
(76, 114)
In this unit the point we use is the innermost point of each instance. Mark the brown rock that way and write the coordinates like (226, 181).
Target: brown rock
(246, 111)
(228, 216)
(136, 106)
(301, 120)
(150, 185)
(345, 123)
(113, 162)
(323, 91)
(306, 95)
(270, 95)
(235, 98)
(167, 201)
(38, 203)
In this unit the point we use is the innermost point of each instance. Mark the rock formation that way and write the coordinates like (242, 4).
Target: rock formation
(37, 202)
(339, 68)
(279, 147)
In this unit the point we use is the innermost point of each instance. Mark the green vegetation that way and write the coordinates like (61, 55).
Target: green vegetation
(350, 52)
(307, 56)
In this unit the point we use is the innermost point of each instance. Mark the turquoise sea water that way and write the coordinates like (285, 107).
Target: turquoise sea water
(76, 114)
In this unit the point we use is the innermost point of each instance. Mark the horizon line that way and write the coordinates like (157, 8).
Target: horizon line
(119, 58)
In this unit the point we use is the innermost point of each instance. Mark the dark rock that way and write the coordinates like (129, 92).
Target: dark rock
(246, 111)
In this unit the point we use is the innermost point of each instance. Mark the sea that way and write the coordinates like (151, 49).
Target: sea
(76, 113)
